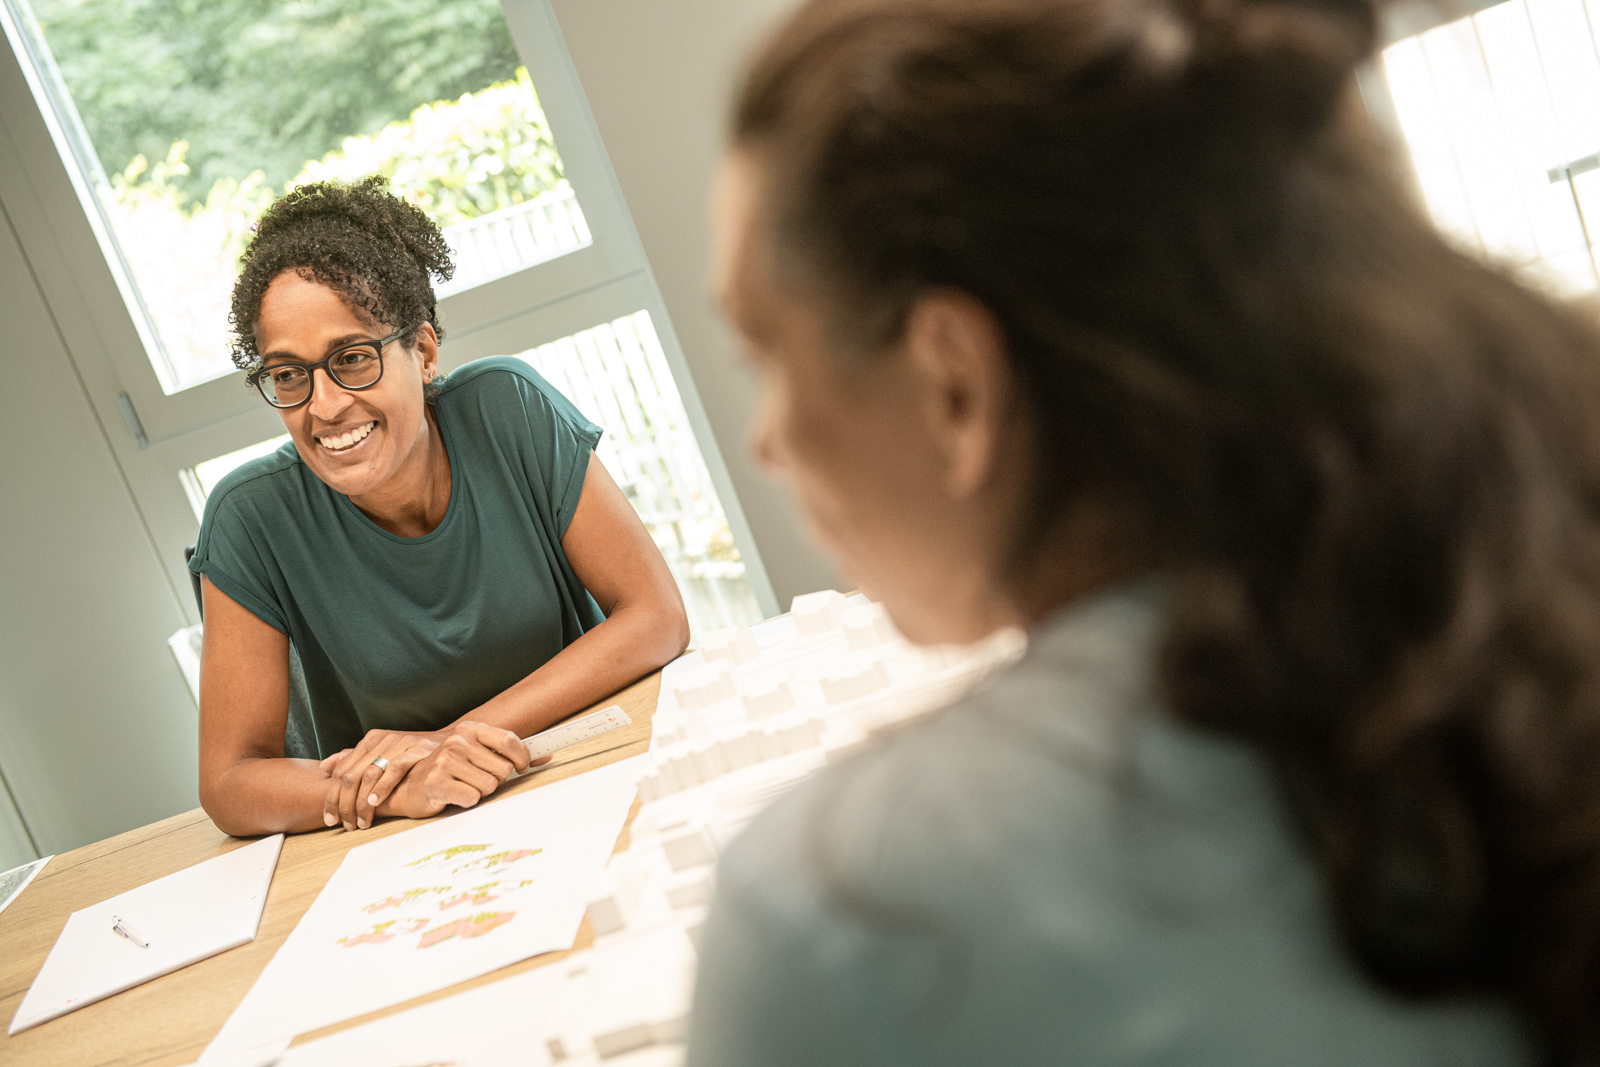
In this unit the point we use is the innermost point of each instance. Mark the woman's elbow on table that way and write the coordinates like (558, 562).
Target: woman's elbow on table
(231, 823)
(229, 816)
(674, 630)
(250, 794)
(658, 632)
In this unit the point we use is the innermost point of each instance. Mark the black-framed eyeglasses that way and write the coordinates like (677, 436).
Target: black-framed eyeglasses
(358, 365)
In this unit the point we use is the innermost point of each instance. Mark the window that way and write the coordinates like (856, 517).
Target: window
(189, 120)
(617, 374)
(162, 128)
(200, 479)
(1501, 113)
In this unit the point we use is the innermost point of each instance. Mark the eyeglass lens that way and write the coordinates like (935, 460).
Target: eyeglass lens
(288, 384)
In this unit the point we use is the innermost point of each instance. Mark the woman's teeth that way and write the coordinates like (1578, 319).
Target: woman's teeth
(346, 439)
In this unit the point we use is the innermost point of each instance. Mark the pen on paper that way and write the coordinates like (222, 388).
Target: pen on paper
(124, 930)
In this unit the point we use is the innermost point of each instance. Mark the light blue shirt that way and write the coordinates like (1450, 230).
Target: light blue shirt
(1051, 871)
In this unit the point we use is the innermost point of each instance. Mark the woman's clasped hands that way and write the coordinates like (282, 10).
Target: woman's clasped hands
(420, 773)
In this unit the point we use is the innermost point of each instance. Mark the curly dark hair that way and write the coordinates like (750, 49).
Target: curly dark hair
(1372, 462)
(376, 251)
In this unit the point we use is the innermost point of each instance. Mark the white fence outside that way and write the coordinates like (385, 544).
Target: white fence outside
(617, 375)
(506, 241)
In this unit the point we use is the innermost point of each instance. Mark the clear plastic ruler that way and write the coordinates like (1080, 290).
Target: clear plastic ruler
(580, 729)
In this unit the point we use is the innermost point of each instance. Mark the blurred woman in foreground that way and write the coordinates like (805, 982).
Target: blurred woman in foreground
(1106, 318)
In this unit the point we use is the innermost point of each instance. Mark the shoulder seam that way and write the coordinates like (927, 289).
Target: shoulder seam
(246, 481)
(476, 369)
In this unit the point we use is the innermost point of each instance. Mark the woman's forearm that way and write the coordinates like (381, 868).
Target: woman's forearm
(266, 796)
(631, 643)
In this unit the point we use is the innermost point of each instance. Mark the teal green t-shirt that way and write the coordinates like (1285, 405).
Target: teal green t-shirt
(410, 633)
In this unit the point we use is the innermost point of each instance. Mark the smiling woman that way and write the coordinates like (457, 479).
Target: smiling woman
(453, 566)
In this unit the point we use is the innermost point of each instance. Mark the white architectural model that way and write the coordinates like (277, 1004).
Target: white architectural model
(750, 714)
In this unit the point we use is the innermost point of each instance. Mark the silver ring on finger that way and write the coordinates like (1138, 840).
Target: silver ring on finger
(381, 763)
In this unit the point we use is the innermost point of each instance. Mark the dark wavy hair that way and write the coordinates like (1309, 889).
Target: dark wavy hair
(1371, 461)
(378, 252)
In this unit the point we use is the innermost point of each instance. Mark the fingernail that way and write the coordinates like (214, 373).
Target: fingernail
(330, 818)
(372, 798)
(361, 824)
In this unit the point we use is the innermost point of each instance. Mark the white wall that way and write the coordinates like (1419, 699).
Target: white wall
(658, 78)
(98, 733)
(16, 847)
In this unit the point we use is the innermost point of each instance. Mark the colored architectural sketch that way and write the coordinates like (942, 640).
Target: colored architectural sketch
(479, 889)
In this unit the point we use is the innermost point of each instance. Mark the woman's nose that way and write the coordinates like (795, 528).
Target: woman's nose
(328, 397)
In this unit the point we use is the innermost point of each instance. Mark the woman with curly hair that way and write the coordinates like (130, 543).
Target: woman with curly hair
(1107, 319)
(453, 567)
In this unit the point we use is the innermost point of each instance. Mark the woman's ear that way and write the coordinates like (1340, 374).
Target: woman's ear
(957, 351)
(427, 347)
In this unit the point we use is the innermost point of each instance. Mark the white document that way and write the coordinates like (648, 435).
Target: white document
(504, 1024)
(269, 1055)
(186, 917)
(437, 905)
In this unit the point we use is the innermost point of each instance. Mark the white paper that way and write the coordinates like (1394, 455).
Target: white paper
(266, 1055)
(186, 917)
(437, 905)
(504, 1024)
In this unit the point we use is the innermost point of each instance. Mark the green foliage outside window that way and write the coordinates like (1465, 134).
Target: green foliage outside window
(263, 84)
(202, 111)
(457, 159)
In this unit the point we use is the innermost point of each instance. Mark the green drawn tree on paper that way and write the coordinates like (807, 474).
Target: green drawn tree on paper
(482, 894)
(400, 900)
(445, 855)
(505, 858)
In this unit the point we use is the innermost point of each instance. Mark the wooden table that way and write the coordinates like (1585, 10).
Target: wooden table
(170, 1020)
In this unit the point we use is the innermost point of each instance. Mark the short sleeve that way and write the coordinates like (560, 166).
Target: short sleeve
(229, 554)
(570, 439)
(562, 439)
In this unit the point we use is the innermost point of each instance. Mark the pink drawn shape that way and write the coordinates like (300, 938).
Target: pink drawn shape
(516, 854)
(371, 937)
(476, 926)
